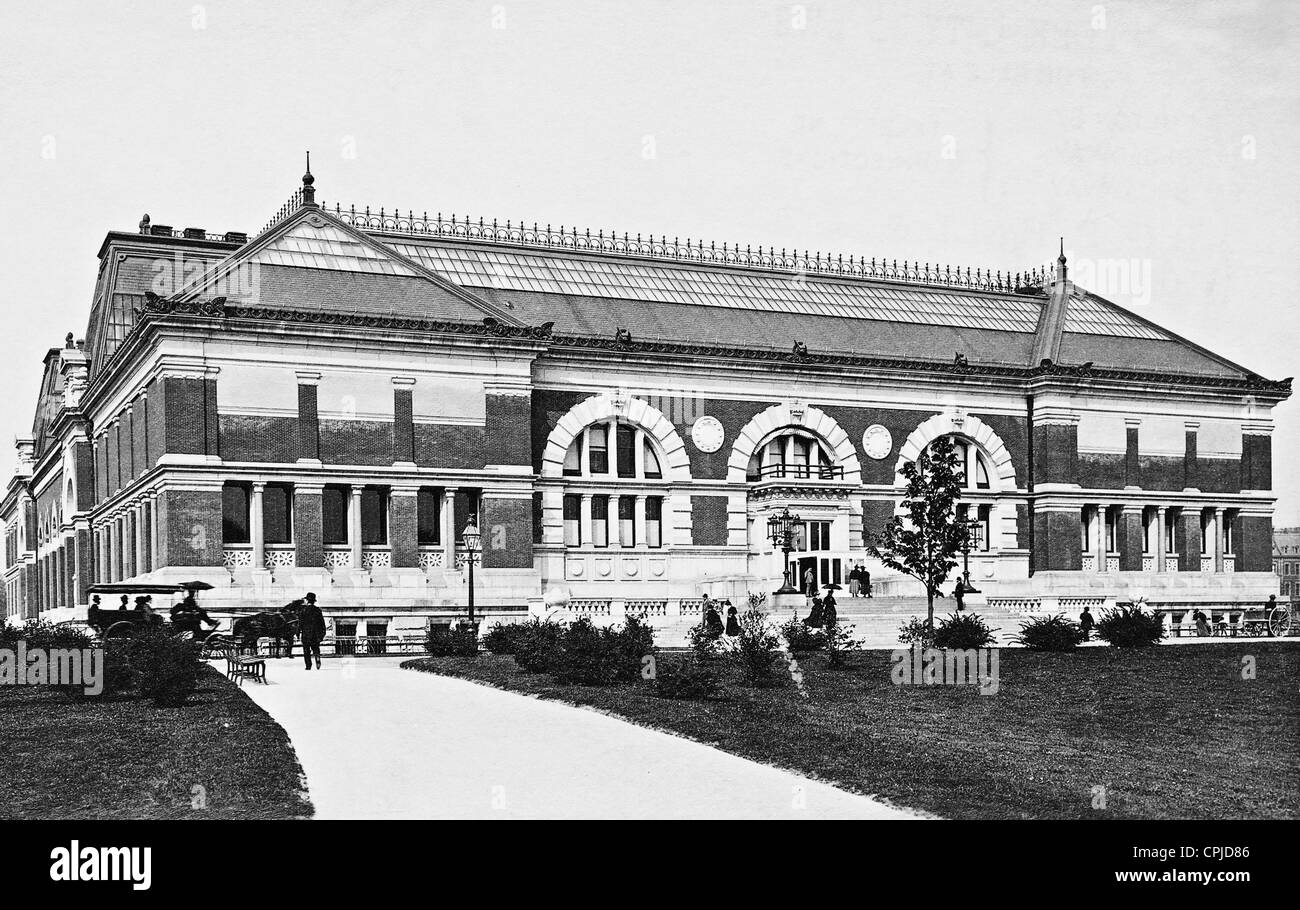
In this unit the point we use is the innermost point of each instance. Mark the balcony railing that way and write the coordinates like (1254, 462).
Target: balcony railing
(797, 472)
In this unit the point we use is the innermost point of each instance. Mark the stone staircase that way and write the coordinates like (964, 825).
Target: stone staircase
(875, 620)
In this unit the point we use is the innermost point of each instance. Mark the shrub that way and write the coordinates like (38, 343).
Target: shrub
(537, 645)
(165, 667)
(840, 643)
(704, 646)
(917, 633)
(686, 679)
(756, 651)
(1050, 633)
(801, 638)
(503, 638)
(632, 642)
(587, 656)
(452, 640)
(963, 631)
(1130, 627)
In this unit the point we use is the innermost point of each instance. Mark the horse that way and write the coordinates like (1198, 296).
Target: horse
(279, 625)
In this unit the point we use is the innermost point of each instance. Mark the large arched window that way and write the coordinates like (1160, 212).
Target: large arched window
(613, 449)
(972, 463)
(623, 505)
(793, 453)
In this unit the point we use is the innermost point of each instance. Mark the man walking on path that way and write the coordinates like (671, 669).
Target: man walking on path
(311, 626)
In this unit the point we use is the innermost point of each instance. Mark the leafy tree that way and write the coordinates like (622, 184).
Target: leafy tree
(926, 544)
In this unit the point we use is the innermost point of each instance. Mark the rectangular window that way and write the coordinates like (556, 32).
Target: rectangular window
(982, 528)
(538, 523)
(1083, 530)
(627, 520)
(626, 451)
(428, 516)
(600, 521)
(1171, 537)
(277, 513)
(334, 514)
(234, 512)
(572, 521)
(598, 462)
(1228, 521)
(1110, 531)
(819, 535)
(654, 513)
(374, 515)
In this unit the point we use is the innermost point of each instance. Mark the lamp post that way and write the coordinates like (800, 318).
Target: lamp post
(782, 529)
(971, 540)
(470, 539)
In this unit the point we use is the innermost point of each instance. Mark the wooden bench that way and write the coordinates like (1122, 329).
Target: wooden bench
(241, 667)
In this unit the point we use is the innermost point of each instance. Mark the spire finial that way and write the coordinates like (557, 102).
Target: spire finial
(1060, 262)
(308, 191)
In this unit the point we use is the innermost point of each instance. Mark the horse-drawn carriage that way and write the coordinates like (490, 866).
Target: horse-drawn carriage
(185, 619)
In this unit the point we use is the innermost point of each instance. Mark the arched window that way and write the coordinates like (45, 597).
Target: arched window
(623, 507)
(613, 449)
(972, 464)
(793, 453)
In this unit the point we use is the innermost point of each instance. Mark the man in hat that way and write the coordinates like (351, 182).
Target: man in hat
(311, 627)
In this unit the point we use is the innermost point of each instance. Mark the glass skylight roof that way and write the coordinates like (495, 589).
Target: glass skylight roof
(1089, 317)
(328, 248)
(593, 277)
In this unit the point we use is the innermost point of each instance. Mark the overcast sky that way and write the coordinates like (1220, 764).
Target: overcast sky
(1162, 140)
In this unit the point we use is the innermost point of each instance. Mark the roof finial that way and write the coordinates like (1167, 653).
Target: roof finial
(1060, 261)
(308, 191)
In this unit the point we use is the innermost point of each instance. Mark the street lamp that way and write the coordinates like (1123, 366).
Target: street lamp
(971, 540)
(471, 540)
(782, 528)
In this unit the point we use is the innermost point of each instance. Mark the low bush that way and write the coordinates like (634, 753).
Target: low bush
(687, 679)
(537, 645)
(963, 631)
(917, 633)
(1130, 627)
(705, 645)
(587, 656)
(452, 640)
(800, 638)
(756, 651)
(840, 643)
(165, 668)
(502, 638)
(1050, 633)
(632, 642)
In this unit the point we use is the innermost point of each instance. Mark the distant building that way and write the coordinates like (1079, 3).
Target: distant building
(1286, 560)
(327, 405)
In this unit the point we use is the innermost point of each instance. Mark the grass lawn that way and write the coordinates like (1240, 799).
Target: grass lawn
(1170, 732)
(120, 757)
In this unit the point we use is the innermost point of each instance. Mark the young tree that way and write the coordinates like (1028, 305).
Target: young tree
(926, 544)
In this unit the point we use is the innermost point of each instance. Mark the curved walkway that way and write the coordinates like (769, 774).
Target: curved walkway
(376, 741)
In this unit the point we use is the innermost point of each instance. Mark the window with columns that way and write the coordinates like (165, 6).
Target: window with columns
(982, 518)
(374, 515)
(429, 516)
(236, 526)
(972, 464)
(792, 453)
(334, 514)
(620, 500)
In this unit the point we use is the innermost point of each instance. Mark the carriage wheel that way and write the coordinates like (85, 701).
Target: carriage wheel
(120, 629)
(1279, 622)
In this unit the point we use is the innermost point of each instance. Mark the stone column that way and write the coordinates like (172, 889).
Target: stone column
(256, 530)
(611, 521)
(141, 539)
(584, 520)
(1160, 539)
(448, 517)
(585, 459)
(1217, 529)
(611, 447)
(354, 526)
(638, 521)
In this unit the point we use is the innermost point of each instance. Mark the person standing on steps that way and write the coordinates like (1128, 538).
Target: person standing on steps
(311, 626)
(959, 595)
(1086, 623)
(733, 625)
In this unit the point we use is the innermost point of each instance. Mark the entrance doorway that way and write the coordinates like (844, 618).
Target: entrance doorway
(827, 570)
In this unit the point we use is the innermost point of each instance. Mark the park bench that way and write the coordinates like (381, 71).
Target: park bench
(240, 667)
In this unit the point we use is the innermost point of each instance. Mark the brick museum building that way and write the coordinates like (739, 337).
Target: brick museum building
(328, 404)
